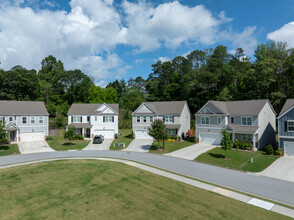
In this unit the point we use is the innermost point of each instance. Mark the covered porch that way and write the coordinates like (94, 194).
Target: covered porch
(13, 132)
(173, 129)
(83, 129)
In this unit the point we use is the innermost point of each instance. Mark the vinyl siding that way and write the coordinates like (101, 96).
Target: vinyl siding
(288, 116)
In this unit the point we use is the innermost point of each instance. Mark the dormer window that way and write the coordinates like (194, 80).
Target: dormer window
(246, 121)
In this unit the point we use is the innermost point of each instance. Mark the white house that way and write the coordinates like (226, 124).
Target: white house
(175, 114)
(24, 120)
(94, 119)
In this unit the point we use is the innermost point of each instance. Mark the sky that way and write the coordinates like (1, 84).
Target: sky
(109, 39)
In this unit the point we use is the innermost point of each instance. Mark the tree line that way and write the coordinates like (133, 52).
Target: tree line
(202, 75)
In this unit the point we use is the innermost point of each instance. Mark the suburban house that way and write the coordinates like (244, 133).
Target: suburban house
(24, 120)
(286, 128)
(253, 121)
(176, 116)
(94, 119)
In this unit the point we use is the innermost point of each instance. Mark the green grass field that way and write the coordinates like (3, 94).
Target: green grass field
(8, 149)
(125, 138)
(238, 159)
(169, 146)
(59, 143)
(88, 189)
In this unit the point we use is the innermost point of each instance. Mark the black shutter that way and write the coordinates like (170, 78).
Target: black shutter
(112, 118)
(103, 118)
(163, 119)
(173, 120)
(71, 119)
(81, 119)
(286, 125)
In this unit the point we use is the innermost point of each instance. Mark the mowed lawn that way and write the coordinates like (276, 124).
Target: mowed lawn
(169, 146)
(125, 138)
(8, 149)
(89, 189)
(59, 143)
(238, 159)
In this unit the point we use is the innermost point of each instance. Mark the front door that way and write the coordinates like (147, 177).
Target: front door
(12, 135)
(88, 135)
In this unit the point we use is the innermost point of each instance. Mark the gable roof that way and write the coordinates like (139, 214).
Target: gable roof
(22, 108)
(246, 107)
(88, 109)
(288, 104)
(168, 107)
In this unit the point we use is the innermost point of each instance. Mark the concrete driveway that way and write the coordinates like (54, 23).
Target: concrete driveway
(103, 146)
(191, 152)
(282, 168)
(34, 147)
(139, 145)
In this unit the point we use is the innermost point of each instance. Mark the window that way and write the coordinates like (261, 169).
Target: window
(205, 120)
(33, 120)
(138, 119)
(144, 118)
(219, 120)
(168, 119)
(232, 120)
(24, 120)
(41, 120)
(108, 118)
(172, 132)
(1, 118)
(246, 137)
(77, 119)
(246, 121)
(151, 118)
(95, 117)
(10, 118)
(290, 126)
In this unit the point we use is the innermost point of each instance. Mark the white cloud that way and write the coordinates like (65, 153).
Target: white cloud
(284, 34)
(164, 59)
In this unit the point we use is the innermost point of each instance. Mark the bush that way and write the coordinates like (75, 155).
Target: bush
(78, 137)
(175, 137)
(170, 140)
(242, 145)
(49, 138)
(278, 151)
(116, 136)
(269, 149)
(183, 135)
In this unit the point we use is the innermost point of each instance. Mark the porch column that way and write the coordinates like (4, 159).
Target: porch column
(17, 136)
(233, 136)
(83, 132)
(254, 142)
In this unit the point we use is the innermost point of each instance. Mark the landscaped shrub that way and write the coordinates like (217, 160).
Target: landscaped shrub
(278, 151)
(78, 137)
(49, 138)
(237, 144)
(116, 136)
(175, 137)
(243, 145)
(183, 135)
(170, 140)
(269, 149)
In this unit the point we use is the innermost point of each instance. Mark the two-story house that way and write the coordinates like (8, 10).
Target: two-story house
(286, 128)
(252, 121)
(94, 119)
(176, 116)
(24, 120)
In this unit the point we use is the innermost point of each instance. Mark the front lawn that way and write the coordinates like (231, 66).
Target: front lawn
(170, 146)
(59, 143)
(239, 160)
(90, 189)
(125, 138)
(9, 149)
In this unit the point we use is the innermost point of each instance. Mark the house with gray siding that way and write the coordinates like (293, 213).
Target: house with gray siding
(286, 128)
(175, 114)
(251, 120)
(24, 120)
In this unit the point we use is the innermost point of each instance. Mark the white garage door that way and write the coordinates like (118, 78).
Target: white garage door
(105, 133)
(142, 134)
(210, 138)
(32, 136)
(289, 148)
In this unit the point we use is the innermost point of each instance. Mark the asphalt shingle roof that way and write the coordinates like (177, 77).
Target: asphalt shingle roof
(288, 104)
(88, 109)
(22, 108)
(169, 107)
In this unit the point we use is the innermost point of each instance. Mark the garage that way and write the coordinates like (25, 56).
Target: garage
(142, 134)
(32, 136)
(210, 138)
(289, 148)
(105, 133)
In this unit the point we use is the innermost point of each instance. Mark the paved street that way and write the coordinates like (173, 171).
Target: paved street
(139, 145)
(103, 146)
(274, 189)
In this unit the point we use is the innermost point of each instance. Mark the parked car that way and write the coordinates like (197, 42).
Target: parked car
(97, 140)
(101, 136)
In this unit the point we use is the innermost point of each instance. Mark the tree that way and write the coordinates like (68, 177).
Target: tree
(69, 134)
(226, 143)
(158, 131)
(3, 133)
(102, 95)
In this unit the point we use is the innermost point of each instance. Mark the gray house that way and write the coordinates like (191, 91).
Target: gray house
(176, 116)
(252, 121)
(286, 128)
(24, 120)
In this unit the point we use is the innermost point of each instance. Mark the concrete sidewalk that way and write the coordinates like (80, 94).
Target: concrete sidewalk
(191, 152)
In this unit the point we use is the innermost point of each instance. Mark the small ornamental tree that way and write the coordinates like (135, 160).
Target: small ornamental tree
(158, 131)
(3, 133)
(70, 133)
(226, 143)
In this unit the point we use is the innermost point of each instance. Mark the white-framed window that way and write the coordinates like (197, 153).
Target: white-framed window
(33, 120)
(95, 117)
(172, 131)
(76, 119)
(232, 120)
(219, 120)
(246, 137)
(41, 120)
(1, 118)
(10, 118)
(151, 118)
(24, 120)
(290, 126)
(205, 120)
(138, 118)
(144, 118)
(108, 118)
(246, 120)
(168, 119)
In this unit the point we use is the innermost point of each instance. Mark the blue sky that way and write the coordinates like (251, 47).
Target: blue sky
(110, 39)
